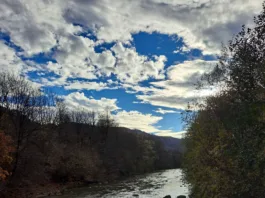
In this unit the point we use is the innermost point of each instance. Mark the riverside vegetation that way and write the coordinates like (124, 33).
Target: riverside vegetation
(225, 142)
(44, 146)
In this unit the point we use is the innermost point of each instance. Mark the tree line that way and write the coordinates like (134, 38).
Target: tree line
(225, 141)
(42, 141)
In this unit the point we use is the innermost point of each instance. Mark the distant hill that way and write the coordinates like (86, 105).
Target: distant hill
(169, 143)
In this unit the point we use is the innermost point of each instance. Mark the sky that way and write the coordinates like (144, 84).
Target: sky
(138, 58)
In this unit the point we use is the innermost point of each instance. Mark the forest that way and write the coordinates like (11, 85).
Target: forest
(45, 147)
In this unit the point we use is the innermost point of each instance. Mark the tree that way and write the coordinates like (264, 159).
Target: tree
(62, 113)
(226, 140)
(105, 122)
(83, 117)
(24, 107)
(147, 154)
(210, 165)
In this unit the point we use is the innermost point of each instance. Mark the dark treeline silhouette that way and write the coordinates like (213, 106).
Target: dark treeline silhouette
(44, 144)
(225, 143)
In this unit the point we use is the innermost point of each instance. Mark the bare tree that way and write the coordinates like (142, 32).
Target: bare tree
(24, 106)
(92, 118)
(105, 122)
(82, 116)
(62, 113)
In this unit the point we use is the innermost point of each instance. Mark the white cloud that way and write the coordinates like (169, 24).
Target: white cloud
(45, 26)
(180, 88)
(204, 24)
(78, 100)
(189, 71)
(9, 61)
(73, 50)
(70, 71)
(180, 134)
(38, 26)
(105, 62)
(98, 86)
(133, 68)
(34, 25)
(77, 59)
(138, 120)
(164, 111)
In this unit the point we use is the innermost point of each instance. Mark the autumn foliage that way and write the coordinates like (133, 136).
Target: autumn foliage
(6, 149)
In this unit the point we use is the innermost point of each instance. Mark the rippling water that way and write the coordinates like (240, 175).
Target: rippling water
(157, 184)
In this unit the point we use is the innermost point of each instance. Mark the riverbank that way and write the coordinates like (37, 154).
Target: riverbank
(134, 185)
(158, 184)
(49, 189)
(58, 189)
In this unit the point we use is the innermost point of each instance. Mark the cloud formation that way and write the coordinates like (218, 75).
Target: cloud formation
(9, 61)
(78, 100)
(179, 88)
(67, 32)
(36, 25)
(138, 120)
(179, 135)
(164, 111)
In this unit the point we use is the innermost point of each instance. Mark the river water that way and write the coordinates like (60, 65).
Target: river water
(151, 185)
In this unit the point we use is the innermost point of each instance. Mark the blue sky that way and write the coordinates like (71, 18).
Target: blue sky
(139, 59)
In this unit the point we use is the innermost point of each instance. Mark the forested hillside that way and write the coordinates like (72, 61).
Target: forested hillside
(44, 143)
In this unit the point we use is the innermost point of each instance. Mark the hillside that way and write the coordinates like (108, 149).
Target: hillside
(45, 143)
(83, 154)
(169, 143)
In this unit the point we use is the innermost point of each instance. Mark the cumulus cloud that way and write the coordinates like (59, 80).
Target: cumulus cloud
(179, 88)
(78, 100)
(37, 26)
(34, 25)
(9, 61)
(203, 24)
(57, 27)
(138, 120)
(133, 68)
(76, 58)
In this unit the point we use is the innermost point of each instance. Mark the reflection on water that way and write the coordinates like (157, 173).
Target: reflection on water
(157, 184)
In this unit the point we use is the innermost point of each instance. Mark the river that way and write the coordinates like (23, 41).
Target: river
(151, 185)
